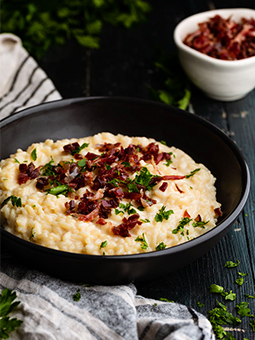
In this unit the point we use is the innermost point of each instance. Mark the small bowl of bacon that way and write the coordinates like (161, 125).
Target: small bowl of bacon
(217, 51)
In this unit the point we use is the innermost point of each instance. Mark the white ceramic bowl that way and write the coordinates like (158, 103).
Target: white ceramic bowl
(224, 80)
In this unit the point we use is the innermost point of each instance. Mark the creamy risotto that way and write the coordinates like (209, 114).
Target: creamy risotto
(106, 195)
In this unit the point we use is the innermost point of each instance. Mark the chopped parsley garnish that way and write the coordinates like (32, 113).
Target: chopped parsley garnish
(7, 305)
(166, 300)
(163, 142)
(77, 296)
(200, 304)
(192, 173)
(144, 244)
(81, 163)
(182, 223)
(243, 310)
(220, 290)
(143, 179)
(230, 264)
(16, 201)
(32, 235)
(252, 324)
(114, 181)
(161, 246)
(221, 316)
(168, 162)
(34, 155)
(146, 220)
(48, 169)
(128, 208)
(79, 148)
(239, 281)
(163, 214)
(16, 161)
(60, 189)
(250, 296)
(103, 244)
(108, 167)
(126, 164)
(200, 224)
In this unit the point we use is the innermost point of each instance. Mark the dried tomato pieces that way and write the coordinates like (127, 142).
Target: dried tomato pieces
(224, 38)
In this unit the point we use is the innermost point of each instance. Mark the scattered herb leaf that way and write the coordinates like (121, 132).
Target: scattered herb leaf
(34, 155)
(144, 244)
(163, 214)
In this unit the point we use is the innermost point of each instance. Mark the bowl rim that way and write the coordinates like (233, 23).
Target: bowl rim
(199, 17)
(223, 225)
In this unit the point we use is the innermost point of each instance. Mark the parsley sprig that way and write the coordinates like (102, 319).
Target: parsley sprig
(16, 201)
(7, 305)
(163, 214)
(144, 244)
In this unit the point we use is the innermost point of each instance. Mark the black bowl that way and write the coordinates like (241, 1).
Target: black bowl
(82, 117)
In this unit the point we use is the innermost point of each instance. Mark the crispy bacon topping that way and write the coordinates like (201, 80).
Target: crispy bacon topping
(105, 179)
(223, 38)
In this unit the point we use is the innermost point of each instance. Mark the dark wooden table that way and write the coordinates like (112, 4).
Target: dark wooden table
(123, 66)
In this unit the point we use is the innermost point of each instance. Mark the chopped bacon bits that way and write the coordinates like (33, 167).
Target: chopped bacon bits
(163, 186)
(106, 179)
(218, 212)
(186, 214)
(223, 38)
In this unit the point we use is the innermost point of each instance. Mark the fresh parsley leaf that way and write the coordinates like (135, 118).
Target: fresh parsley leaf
(242, 274)
(200, 304)
(168, 162)
(163, 142)
(243, 310)
(230, 264)
(239, 281)
(126, 164)
(108, 167)
(160, 246)
(192, 173)
(166, 300)
(163, 214)
(200, 224)
(184, 221)
(144, 178)
(252, 324)
(16, 201)
(16, 161)
(82, 163)
(7, 305)
(60, 189)
(146, 220)
(103, 244)
(48, 169)
(250, 296)
(144, 244)
(115, 182)
(216, 289)
(128, 208)
(34, 155)
(79, 148)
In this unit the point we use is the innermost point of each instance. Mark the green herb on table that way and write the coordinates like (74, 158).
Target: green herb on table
(252, 324)
(34, 155)
(41, 24)
(239, 281)
(221, 316)
(144, 244)
(163, 214)
(220, 290)
(200, 304)
(231, 264)
(165, 300)
(7, 305)
(173, 82)
(250, 296)
(16, 201)
(243, 310)
(77, 296)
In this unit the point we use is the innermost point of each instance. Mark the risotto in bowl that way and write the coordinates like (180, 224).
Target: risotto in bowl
(135, 202)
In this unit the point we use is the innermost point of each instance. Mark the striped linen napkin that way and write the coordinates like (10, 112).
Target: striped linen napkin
(48, 308)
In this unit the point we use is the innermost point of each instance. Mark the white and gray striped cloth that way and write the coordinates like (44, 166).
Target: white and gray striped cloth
(47, 308)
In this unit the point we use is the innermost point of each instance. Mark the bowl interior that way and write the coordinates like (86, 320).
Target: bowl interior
(84, 117)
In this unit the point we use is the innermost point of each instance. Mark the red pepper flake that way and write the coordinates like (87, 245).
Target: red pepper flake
(224, 38)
